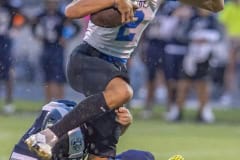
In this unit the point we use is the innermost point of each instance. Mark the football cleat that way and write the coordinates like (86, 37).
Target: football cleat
(176, 157)
(37, 143)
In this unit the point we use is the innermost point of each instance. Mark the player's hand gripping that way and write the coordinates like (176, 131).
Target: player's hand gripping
(124, 117)
(126, 8)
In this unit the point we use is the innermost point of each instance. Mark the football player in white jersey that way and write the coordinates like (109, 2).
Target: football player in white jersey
(97, 69)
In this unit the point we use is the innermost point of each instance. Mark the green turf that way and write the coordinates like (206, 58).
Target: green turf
(193, 140)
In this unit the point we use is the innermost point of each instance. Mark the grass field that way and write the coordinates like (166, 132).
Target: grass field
(192, 140)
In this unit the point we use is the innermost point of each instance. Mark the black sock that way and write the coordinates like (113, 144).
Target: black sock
(88, 109)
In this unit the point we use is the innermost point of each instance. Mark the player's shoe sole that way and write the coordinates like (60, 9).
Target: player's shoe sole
(176, 157)
(42, 149)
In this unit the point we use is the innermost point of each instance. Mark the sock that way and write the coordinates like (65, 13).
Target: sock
(88, 109)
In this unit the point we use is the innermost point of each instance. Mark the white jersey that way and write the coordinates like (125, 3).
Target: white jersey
(122, 40)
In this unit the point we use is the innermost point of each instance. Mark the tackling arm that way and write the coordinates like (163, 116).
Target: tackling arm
(124, 117)
(212, 5)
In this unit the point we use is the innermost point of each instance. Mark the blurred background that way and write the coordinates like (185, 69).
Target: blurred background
(186, 69)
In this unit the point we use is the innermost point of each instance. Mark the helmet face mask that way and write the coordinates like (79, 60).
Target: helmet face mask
(76, 143)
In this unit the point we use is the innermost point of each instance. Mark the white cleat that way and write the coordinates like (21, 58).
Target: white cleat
(37, 143)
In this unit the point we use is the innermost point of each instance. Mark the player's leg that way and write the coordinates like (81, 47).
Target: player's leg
(106, 87)
(105, 82)
(117, 93)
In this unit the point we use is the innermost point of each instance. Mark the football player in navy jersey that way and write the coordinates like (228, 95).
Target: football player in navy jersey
(97, 69)
(74, 145)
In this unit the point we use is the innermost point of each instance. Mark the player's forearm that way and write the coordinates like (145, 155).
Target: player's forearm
(212, 5)
(81, 8)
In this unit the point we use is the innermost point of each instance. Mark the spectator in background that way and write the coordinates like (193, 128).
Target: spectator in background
(218, 66)
(53, 29)
(154, 40)
(6, 59)
(230, 18)
(175, 49)
(152, 58)
(204, 33)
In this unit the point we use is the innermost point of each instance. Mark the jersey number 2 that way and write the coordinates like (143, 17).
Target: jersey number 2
(122, 36)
